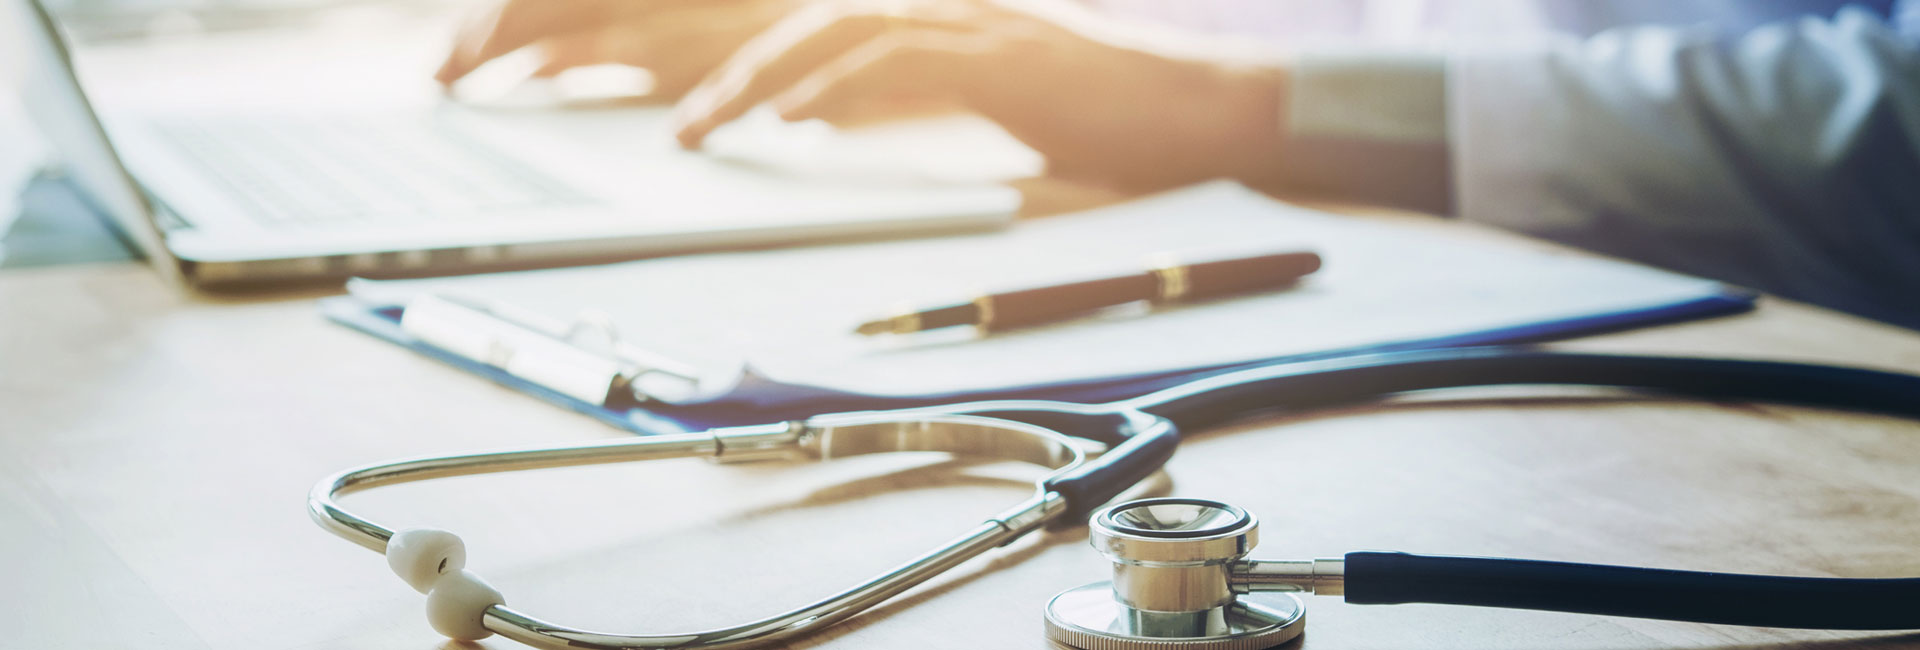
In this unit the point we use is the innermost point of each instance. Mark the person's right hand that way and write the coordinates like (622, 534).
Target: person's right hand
(1099, 101)
(679, 41)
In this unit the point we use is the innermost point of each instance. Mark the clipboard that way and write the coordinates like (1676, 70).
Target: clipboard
(586, 356)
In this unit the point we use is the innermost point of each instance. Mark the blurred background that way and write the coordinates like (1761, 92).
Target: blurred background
(92, 20)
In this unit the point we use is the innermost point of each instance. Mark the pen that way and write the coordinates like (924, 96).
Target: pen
(1166, 280)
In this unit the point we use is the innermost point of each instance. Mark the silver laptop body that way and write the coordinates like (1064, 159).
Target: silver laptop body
(225, 197)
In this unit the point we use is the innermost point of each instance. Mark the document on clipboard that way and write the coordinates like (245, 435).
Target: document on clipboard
(775, 328)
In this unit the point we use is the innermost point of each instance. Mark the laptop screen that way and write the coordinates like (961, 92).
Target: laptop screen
(54, 100)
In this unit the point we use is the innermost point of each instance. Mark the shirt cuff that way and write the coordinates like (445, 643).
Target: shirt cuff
(1368, 127)
(1387, 97)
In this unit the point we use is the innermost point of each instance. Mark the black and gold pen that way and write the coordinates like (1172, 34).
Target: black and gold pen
(1165, 281)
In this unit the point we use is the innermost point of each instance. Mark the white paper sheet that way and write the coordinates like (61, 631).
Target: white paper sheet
(790, 313)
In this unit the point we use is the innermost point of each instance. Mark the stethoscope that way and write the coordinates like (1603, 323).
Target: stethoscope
(1180, 577)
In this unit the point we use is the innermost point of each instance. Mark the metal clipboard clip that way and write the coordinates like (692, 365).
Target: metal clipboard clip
(585, 359)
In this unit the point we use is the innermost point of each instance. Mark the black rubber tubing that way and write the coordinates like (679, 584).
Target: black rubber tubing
(1316, 384)
(1145, 444)
(1736, 599)
(1380, 578)
(1138, 444)
(1091, 485)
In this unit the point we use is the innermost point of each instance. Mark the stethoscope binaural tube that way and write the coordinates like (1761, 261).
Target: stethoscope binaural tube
(462, 606)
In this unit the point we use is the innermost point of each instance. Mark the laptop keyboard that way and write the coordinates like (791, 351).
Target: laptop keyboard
(348, 169)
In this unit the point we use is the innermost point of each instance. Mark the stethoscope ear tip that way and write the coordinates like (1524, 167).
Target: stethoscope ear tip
(421, 556)
(434, 562)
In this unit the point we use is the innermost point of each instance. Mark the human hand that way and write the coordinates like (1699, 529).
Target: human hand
(1129, 114)
(678, 41)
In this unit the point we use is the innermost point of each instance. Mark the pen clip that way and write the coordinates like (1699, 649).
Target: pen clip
(586, 359)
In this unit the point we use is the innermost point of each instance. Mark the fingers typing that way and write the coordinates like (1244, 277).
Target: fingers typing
(770, 63)
(920, 63)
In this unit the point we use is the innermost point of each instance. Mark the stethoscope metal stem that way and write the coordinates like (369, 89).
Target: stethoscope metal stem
(1324, 576)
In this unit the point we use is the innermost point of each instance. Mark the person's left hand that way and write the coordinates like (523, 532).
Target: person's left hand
(1096, 109)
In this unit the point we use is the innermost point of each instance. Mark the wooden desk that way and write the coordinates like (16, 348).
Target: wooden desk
(156, 449)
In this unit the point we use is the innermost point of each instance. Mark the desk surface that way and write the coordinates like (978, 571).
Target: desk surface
(156, 449)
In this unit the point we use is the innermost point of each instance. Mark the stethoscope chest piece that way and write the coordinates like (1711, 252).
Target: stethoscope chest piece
(1088, 618)
(1173, 566)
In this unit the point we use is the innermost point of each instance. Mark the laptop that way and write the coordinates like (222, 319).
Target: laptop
(218, 197)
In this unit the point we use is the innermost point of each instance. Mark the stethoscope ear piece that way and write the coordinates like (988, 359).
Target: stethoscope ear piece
(434, 562)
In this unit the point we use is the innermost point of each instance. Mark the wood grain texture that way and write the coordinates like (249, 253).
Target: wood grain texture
(156, 448)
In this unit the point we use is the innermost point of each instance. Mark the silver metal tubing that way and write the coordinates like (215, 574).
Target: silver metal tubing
(526, 629)
(324, 510)
(821, 438)
(1324, 576)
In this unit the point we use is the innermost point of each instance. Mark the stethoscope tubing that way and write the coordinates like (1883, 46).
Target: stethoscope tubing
(1705, 597)
(1142, 433)
(1319, 384)
(1387, 578)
